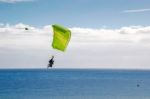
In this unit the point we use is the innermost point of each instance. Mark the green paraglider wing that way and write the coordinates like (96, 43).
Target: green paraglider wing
(61, 37)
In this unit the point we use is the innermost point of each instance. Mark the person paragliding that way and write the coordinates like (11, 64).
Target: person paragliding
(26, 28)
(51, 62)
(61, 38)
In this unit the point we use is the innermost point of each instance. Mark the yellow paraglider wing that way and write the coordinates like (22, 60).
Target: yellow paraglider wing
(61, 37)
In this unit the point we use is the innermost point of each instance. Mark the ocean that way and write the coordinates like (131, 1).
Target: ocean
(74, 84)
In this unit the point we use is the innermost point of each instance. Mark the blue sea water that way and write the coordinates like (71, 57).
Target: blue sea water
(74, 84)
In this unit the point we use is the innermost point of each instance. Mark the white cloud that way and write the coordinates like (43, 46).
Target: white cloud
(16, 37)
(128, 34)
(136, 10)
(126, 47)
(1, 24)
(14, 1)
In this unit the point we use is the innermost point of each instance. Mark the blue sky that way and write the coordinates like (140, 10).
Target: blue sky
(76, 13)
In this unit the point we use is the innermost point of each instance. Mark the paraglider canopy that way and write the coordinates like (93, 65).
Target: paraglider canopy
(61, 37)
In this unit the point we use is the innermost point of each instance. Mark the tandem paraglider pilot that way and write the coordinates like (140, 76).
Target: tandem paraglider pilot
(51, 62)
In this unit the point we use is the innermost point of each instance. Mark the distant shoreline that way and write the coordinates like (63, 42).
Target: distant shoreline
(105, 69)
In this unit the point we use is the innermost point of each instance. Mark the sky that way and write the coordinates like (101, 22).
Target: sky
(105, 33)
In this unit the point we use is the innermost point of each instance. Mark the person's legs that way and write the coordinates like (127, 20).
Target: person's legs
(50, 65)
